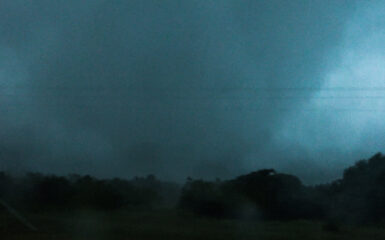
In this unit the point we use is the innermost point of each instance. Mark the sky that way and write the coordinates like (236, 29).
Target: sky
(190, 88)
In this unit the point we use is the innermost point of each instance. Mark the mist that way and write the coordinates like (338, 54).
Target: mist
(188, 88)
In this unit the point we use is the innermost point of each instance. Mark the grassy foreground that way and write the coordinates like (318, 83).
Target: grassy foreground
(170, 225)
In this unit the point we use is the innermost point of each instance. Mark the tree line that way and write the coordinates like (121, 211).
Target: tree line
(38, 192)
(359, 196)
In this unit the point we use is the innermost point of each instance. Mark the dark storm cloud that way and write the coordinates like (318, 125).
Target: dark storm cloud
(174, 88)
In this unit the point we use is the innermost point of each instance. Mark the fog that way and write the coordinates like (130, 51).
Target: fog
(190, 88)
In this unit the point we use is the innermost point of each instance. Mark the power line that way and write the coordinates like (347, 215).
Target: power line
(104, 97)
(163, 108)
(219, 97)
(133, 87)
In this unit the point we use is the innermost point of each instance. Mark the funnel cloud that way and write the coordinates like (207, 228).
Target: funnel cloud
(184, 88)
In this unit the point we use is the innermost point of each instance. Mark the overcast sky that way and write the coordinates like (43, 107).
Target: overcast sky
(191, 88)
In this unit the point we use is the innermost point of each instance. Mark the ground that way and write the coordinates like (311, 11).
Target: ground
(167, 224)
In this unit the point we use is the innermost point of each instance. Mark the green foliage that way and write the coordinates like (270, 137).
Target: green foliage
(359, 197)
(38, 192)
(262, 194)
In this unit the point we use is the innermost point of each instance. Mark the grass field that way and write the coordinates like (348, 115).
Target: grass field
(170, 225)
